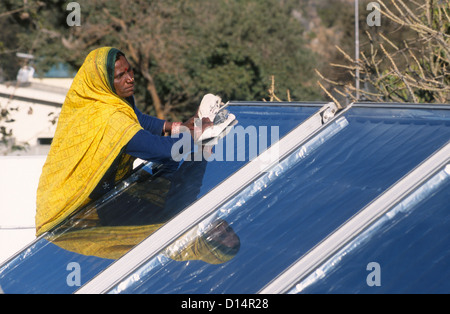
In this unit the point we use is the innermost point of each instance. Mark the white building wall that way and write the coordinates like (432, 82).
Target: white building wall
(19, 177)
(20, 170)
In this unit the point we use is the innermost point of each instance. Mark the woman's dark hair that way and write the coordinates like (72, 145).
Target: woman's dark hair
(113, 55)
(119, 54)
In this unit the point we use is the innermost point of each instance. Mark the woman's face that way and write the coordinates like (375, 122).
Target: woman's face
(221, 232)
(123, 78)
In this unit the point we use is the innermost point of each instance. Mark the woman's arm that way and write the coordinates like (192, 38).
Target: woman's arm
(151, 124)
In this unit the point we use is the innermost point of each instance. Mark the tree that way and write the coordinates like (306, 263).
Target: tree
(247, 43)
(148, 31)
(414, 70)
(14, 17)
(182, 49)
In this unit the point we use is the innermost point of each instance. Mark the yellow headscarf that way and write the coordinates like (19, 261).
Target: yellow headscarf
(94, 125)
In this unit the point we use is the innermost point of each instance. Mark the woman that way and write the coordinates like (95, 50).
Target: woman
(100, 132)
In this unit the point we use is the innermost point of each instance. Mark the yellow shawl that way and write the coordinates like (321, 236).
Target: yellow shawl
(93, 127)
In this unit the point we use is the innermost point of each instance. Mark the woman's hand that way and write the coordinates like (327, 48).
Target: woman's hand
(197, 126)
(194, 126)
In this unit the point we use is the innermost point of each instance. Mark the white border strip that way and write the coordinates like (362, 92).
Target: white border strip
(331, 244)
(199, 210)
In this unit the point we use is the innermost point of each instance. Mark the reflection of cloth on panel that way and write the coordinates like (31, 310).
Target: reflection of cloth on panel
(93, 127)
(114, 242)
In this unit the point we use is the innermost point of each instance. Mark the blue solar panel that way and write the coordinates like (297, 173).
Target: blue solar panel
(43, 267)
(410, 246)
(285, 118)
(283, 220)
(276, 219)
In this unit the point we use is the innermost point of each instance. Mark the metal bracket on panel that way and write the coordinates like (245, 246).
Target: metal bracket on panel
(329, 112)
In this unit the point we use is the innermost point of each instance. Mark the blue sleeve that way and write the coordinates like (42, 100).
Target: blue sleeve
(150, 147)
(151, 124)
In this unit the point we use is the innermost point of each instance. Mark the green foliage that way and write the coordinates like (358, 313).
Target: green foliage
(245, 45)
(329, 10)
(231, 48)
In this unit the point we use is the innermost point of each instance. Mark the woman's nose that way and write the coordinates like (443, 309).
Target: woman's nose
(130, 77)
